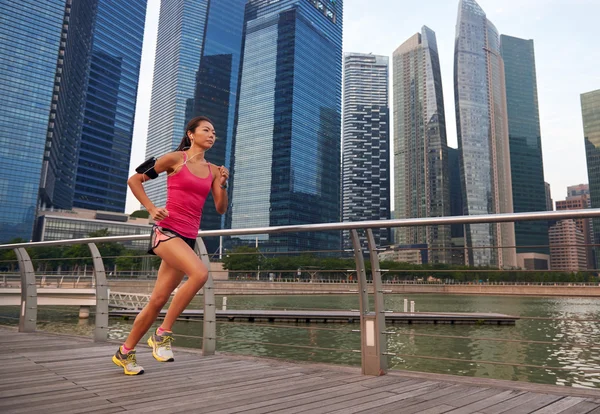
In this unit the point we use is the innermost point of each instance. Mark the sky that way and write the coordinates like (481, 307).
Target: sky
(566, 51)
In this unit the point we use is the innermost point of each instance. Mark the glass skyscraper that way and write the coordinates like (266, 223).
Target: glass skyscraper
(68, 101)
(206, 38)
(107, 131)
(179, 43)
(590, 111)
(422, 186)
(366, 145)
(482, 127)
(287, 145)
(30, 36)
(527, 166)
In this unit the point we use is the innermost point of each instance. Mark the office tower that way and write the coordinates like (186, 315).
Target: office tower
(206, 37)
(107, 132)
(527, 167)
(567, 250)
(366, 145)
(181, 26)
(27, 84)
(422, 187)
(287, 146)
(457, 231)
(63, 142)
(590, 110)
(482, 128)
(579, 202)
(579, 190)
(549, 202)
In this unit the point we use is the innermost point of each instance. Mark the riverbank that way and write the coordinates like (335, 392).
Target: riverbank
(229, 288)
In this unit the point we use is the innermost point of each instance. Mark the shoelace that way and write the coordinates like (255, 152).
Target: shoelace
(131, 359)
(166, 341)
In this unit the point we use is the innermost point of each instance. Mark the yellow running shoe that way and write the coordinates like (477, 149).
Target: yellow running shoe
(127, 362)
(161, 346)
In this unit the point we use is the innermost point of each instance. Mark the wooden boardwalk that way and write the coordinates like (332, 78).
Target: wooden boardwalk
(57, 374)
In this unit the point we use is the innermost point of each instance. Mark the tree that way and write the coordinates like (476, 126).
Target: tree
(140, 214)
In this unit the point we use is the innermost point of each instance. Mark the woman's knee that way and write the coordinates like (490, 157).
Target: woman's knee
(158, 300)
(199, 275)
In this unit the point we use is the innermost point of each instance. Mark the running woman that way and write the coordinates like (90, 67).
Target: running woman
(190, 179)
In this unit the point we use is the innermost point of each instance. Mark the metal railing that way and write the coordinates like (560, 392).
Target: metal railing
(373, 332)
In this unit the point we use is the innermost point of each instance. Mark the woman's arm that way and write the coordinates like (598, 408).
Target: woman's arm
(220, 176)
(165, 163)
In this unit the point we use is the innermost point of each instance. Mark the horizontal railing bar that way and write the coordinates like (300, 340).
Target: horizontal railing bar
(368, 224)
(222, 338)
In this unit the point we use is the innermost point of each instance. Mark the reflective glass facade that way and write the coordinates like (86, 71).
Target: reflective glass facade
(422, 186)
(287, 145)
(68, 102)
(181, 27)
(482, 129)
(105, 149)
(30, 36)
(590, 111)
(216, 90)
(527, 167)
(366, 146)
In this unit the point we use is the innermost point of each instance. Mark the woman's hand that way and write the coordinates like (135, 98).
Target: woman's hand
(224, 175)
(159, 213)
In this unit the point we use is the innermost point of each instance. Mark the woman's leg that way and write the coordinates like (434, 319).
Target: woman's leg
(167, 280)
(179, 255)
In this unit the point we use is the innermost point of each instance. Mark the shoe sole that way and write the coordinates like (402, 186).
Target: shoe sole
(118, 363)
(155, 355)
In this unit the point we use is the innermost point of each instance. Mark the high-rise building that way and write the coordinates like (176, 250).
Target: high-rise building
(205, 37)
(366, 145)
(181, 26)
(287, 146)
(590, 110)
(107, 132)
(482, 127)
(68, 102)
(579, 190)
(422, 186)
(527, 167)
(457, 231)
(30, 36)
(567, 250)
(580, 202)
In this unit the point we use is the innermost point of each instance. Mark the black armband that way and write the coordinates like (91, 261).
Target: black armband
(147, 167)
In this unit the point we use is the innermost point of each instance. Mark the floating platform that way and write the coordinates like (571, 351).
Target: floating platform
(334, 316)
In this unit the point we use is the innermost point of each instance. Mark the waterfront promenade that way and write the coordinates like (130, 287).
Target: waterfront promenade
(57, 374)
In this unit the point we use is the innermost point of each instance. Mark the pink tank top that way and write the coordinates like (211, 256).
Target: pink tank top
(186, 195)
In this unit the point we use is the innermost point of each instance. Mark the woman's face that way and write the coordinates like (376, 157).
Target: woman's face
(203, 135)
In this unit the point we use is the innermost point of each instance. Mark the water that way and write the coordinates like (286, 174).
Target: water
(333, 343)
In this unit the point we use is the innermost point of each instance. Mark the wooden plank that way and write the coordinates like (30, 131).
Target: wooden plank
(534, 404)
(57, 386)
(45, 397)
(560, 405)
(583, 407)
(268, 402)
(486, 402)
(292, 398)
(62, 406)
(508, 405)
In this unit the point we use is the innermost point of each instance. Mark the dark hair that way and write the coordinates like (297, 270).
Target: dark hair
(191, 126)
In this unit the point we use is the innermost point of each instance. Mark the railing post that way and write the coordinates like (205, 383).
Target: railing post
(101, 330)
(370, 361)
(209, 330)
(381, 339)
(28, 314)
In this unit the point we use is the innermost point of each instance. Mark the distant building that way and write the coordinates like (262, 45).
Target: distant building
(549, 202)
(533, 261)
(79, 223)
(567, 250)
(584, 225)
(414, 254)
